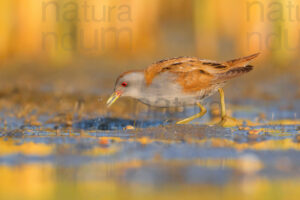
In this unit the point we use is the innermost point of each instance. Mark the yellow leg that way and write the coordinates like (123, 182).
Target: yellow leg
(226, 121)
(222, 101)
(189, 119)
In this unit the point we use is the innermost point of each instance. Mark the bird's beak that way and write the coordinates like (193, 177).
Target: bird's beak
(113, 98)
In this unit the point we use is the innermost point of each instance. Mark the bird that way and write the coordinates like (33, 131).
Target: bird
(181, 81)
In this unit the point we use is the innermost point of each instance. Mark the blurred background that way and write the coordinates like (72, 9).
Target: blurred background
(59, 60)
(62, 31)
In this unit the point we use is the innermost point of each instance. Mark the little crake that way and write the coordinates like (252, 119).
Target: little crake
(181, 81)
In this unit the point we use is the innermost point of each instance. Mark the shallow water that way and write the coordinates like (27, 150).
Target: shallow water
(95, 158)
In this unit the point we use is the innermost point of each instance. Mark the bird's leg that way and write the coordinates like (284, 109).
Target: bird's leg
(200, 114)
(222, 101)
(226, 121)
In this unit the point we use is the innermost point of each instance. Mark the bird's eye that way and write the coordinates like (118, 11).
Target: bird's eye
(124, 84)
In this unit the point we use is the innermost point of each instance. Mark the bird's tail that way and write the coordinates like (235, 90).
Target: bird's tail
(241, 62)
(237, 67)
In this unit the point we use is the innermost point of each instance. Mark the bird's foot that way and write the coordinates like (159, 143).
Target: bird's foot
(185, 121)
(199, 115)
(227, 121)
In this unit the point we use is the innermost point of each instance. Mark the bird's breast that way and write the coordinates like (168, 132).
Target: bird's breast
(165, 91)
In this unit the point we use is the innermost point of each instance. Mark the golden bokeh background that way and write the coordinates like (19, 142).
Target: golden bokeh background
(63, 30)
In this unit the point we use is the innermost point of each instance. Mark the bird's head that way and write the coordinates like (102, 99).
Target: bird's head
(127, 84)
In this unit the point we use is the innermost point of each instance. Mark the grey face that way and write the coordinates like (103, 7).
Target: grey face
(130, 84)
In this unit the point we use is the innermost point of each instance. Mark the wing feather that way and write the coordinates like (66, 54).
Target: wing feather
(197, 74)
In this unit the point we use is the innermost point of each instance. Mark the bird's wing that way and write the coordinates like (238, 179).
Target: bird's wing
(192, 74)
(196, 74)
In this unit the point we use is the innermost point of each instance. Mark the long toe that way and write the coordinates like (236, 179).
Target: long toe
(230, 122)
(185, 121)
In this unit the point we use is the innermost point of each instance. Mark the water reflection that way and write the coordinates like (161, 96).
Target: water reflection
(84, 161)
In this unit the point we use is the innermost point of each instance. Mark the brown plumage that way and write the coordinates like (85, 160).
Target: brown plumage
(196, 74)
